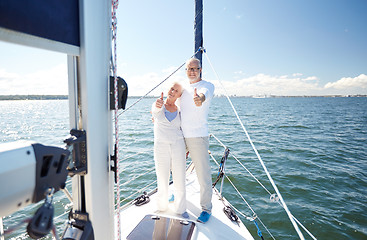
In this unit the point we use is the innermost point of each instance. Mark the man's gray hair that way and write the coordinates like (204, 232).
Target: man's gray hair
(192, 60)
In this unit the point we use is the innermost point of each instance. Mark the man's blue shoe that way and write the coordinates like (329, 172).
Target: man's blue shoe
(204, 217)
(171, 198)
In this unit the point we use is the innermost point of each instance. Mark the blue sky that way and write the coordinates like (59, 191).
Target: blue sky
(287, 47)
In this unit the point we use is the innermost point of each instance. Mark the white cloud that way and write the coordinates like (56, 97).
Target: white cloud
(349, 83)
(140, 85)
(4, 75)
(261, 84)
(313, 78)
(53, 81)
(240, 72)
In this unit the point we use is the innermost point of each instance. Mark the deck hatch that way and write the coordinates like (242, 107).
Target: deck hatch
(157, 227)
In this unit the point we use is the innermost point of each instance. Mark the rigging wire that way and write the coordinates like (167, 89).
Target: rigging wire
(299, 223)
(138, 153)
(141, 98)
(151, 90)
(134, 178)
(137, 176)
(290, 216)
(136, 192)
(255, 216)
(248, 205)
(21, 223)
(15, 227)
(258, 181)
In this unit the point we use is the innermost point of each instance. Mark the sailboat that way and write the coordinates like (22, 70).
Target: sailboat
(82, 30)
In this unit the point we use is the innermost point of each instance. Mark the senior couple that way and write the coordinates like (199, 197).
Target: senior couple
(181, 129)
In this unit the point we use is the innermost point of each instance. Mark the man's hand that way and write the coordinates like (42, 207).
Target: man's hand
(198, 99)
(159, 102)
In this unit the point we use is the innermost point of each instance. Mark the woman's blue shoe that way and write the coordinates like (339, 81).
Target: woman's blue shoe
(185, 215)
(204, 217)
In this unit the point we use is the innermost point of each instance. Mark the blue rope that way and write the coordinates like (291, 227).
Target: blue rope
(258, 230)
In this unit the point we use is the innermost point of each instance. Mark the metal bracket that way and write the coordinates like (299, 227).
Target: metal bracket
(122, 90)
(77, 145)
(114, 161)
(79, 227)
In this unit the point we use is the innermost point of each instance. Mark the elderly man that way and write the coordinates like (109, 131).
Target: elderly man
(195, 102)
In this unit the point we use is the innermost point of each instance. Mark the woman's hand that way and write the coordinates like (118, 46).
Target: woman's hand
(159, 102)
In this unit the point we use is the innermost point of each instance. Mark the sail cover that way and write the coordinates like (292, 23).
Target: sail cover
(52, 19)
(198, 27)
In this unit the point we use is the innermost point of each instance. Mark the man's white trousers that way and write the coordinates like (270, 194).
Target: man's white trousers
(198, 148)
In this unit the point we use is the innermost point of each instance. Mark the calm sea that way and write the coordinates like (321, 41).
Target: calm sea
(314, 148)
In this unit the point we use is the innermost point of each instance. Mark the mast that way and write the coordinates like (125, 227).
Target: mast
(80, 29)
(94, 191)
(198, 28)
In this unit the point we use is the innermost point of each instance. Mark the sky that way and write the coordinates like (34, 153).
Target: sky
(253, 48)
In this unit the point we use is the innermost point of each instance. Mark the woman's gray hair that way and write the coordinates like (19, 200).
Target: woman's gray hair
(178, 83)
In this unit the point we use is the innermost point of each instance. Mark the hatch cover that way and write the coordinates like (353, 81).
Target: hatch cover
(157, 227)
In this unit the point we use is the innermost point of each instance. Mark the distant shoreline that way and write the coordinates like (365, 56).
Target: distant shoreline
(33, 97)
(65, 97)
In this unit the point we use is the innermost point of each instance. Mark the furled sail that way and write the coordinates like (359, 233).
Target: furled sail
(198, 28)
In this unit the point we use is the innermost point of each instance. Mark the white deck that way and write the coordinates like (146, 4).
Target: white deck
(218, 226)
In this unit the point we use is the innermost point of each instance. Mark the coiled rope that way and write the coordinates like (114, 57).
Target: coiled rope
(290, 216)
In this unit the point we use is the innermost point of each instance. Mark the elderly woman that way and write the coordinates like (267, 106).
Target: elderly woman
(169, 150)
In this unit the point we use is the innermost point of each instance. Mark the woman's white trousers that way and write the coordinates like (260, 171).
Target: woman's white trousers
(171, 157)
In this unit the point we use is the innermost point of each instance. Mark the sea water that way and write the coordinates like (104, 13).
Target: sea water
(314, 149)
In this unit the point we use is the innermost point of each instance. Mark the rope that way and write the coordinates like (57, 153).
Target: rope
(61, 215)
(114, 64)
(137, 176)
(258, 230)
(15, 227)
(271, 195)
(248, 205)
(261, 161)
(238, 211)
(230, 213)
(54, 232)
(234, 186)
(151, 90)
(135, 155)
(139, 191)
(242, 165)
(141, 98)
